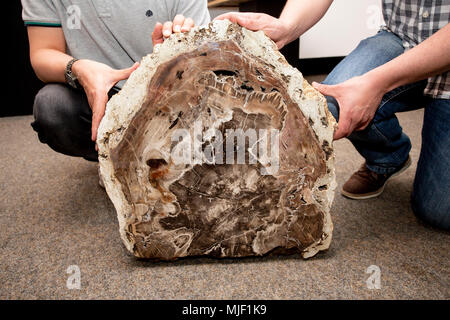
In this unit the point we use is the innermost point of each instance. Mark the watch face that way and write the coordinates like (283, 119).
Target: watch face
(70, 80)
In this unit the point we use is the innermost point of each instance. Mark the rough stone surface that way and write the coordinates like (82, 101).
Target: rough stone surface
(228, 78)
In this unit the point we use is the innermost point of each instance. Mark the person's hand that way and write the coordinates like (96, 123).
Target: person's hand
(274, 28)
(163, 31)
(358, 99)
(97, 80)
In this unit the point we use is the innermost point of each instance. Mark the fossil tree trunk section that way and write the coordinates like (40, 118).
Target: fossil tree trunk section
(222, 78)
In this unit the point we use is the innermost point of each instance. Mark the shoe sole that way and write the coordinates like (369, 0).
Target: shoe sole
(376, 193)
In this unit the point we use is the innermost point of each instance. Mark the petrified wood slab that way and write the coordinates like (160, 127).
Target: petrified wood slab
(179, 195)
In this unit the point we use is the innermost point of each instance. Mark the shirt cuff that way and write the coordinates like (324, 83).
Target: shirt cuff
(42, 24)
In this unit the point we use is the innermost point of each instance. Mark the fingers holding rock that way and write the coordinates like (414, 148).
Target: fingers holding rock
(167, 29)
(178, 22)
(187, 25)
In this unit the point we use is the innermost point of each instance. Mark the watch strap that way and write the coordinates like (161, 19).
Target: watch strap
(70, 77)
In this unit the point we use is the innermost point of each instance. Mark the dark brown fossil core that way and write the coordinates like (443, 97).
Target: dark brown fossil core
(220, 209)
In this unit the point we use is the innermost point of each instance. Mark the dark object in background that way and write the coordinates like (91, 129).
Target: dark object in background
(21, 83)
(316, 66)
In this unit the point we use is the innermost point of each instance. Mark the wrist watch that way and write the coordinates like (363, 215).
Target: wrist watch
(71, 79)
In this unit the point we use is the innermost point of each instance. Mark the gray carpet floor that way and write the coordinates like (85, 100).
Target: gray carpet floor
(53, 214)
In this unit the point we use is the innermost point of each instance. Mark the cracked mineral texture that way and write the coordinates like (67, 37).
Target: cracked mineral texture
(167, 160)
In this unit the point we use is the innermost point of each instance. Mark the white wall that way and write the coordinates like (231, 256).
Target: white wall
(345, 24)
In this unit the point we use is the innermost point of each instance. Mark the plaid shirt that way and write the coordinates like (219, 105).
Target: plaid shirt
(414, 21)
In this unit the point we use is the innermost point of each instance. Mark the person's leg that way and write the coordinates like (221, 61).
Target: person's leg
(431, 193)
(63, 121)
(383, 143)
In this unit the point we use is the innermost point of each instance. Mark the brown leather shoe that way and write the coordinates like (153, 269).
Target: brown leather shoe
(365, 184)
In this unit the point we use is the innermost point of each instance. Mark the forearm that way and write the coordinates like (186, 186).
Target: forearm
(301, 15)
(50, 65)
(427, 59)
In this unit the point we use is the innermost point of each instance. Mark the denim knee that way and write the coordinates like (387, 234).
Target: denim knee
(49, 111)
(333, 107)
(63, 121)
(430, 212)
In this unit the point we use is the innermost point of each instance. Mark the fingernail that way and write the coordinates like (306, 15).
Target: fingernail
(177, 29)
(166, 33)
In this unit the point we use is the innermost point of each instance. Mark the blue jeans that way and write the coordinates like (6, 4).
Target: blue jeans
(383, 143)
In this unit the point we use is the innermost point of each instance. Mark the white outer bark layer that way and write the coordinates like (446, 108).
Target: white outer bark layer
(124, 105)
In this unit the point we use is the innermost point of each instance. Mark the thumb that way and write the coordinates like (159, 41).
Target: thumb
(280, 44)
(157, 34)
(98, 111)
(246, 21)
(243, 19)
(125, 73)
(344, 128)
(324, 89)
